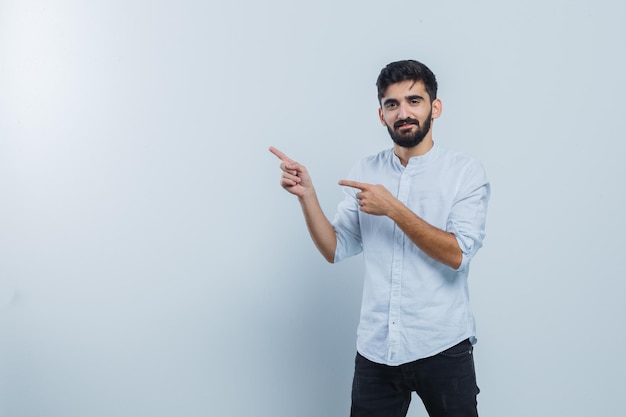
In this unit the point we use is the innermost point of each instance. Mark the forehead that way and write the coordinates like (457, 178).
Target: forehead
(405, 88)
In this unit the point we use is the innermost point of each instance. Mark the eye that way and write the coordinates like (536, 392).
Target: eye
(391, 105)
(415, 101)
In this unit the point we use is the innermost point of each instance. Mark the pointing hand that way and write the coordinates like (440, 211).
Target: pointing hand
(295, 178)
(373, 199)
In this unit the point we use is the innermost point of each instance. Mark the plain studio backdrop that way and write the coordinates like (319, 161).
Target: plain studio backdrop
(151, 265)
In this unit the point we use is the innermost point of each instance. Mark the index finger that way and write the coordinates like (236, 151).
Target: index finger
(354, 184)
(281, 155)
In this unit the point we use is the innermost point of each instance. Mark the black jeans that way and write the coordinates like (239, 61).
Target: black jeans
(446, 383)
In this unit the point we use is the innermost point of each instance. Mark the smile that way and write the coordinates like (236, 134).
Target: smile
(405, 124)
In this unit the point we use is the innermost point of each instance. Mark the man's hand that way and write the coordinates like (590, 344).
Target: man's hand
(373, 199)
(295, 178)
(297, 181)
(436, 243)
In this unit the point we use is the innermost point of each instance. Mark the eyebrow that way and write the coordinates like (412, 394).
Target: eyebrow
(411, 97)
(414, 97)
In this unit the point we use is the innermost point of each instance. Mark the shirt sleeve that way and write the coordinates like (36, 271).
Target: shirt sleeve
(469, 212)
(346, 224)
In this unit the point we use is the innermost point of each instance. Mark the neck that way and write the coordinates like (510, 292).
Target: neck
(420, 149)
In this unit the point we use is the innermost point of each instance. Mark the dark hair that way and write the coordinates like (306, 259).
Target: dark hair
(406, 70)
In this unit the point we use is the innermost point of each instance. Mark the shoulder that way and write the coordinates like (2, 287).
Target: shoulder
(375, 161)
(461, 162)
(381, 157)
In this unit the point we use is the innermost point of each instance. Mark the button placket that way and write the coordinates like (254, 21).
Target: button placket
(396, 275)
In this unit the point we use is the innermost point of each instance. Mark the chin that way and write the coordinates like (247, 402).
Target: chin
(407, 142)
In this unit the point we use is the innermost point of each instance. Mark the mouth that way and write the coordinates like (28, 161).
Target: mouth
(404, 125)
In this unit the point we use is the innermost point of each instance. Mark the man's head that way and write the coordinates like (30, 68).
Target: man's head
(403, 71)
(407, 93)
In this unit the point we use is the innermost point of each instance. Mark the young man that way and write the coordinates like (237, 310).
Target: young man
(417, 212)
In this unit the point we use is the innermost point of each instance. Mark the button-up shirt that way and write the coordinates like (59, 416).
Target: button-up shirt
(413, 306)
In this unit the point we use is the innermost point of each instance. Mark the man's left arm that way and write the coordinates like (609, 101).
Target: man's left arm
(439, 244)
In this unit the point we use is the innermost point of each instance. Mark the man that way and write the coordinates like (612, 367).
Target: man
(417, 212)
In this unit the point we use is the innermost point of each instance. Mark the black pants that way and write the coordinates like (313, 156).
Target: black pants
(446, 383)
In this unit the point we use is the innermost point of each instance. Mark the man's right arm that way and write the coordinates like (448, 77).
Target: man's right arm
(297, 181)
(321, 230)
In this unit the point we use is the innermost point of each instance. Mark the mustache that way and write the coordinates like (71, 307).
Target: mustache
(406, 121)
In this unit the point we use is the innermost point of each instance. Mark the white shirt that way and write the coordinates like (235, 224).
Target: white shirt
(413, 306)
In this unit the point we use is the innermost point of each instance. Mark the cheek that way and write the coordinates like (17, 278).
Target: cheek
(389, 117)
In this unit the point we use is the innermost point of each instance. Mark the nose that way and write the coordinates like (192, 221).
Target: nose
(403, 111)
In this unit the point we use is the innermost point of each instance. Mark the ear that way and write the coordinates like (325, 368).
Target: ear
(437, 108)
(381, 117)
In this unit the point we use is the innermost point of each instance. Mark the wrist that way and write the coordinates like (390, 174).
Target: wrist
(395, 210)
(308, 196)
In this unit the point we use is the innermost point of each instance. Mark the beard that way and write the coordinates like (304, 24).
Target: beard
(409, 139)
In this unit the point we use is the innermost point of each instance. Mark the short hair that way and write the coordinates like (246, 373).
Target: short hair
(399, 71)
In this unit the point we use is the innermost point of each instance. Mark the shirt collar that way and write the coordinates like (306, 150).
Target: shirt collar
(419, 160)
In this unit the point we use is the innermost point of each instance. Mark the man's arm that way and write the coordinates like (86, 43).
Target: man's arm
(440, 245)
(436, 243)
(296, 180)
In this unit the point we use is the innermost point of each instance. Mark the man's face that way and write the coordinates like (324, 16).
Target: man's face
(407, 112)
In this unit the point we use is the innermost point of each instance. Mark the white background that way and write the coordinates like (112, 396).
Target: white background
(150, 264)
